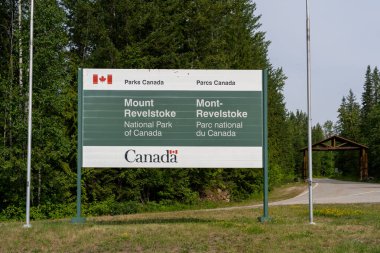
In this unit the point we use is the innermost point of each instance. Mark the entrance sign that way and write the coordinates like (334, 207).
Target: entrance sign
(172, 118)
(139, 118)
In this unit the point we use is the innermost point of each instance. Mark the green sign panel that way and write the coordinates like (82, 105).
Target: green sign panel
(172, 118)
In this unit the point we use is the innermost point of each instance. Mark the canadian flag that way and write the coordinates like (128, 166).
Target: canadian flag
(173, 152)
(102, 79)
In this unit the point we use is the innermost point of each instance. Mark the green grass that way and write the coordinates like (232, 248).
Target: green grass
(112, 207)
(339, 228)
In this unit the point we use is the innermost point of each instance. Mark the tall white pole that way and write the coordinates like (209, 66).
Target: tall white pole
(28, 180)
(309, 125)
(20, 43)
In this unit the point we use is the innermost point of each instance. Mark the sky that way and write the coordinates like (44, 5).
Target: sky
(345, 39)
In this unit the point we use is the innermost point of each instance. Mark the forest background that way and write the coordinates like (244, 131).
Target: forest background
(173, 34)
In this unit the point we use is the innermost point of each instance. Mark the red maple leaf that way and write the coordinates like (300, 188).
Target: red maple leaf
(102, 79)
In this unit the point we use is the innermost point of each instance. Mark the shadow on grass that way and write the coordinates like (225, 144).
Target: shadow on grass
(152, 221)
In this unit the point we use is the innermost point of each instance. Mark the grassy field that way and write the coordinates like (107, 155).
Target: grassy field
(339, 228)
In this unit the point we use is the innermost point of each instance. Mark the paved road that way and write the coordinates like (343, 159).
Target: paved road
(333, 191)
(328, 191)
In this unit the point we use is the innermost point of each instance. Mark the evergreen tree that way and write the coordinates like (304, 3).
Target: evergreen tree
(374, 141)
(370, 118)
(279, 142)
(298, 136)
(368, 101)
(348, 126)
(376, 85)
(349, 117)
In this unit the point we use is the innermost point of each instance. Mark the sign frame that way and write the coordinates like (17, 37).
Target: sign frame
(80, 219)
